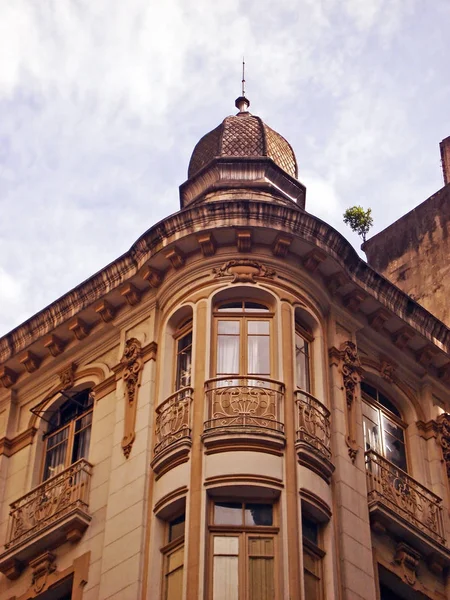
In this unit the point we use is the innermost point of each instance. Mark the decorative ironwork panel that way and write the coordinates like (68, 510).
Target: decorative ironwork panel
(173, 419)
(313, 424)
(401, 494)
(49, 502)
(244, 402)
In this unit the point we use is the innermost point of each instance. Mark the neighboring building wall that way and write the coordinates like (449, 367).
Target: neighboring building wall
(414, 253)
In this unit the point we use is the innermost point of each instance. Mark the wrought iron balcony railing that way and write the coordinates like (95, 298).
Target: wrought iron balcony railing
(390, 488)
(244, 403)
(173, 420)
(313, 438)
(313, 423)
(49, 503)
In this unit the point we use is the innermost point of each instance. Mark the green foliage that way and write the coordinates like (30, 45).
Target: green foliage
(359, 220)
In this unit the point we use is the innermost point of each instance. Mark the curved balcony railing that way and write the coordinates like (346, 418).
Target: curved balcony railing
(50, 502)
(173, 420)
(313, 424)
(244, 403)
(399, 493)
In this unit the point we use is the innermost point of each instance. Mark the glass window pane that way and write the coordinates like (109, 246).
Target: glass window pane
(395, 452)
(55, 460)
(255, 307)
(227, 354)
(302, 362)
(226, 578)
(259, 514)
(372, 438)
(228, 513)
(310, 530)
(176, 527)
(184, 359)
(259, 327)
(392, 428)
(258, 354)
(231, 307)
(174, 574)
(228, 327)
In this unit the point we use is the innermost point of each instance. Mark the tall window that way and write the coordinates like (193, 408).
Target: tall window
(69, 433)
(174, 559)
(383, 426)
(243, 541)
(302, 358)
(243, 339)
(183, 362)
(312, 559)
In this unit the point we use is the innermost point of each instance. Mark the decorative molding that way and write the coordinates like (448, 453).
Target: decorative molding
(30, 361)
(132, 365)
(354, 299)
(175, 257)
(244, 478)
(443, 422)
(8, 377)
(150, 351)
(207, 243)
(428, 430)
(131, 294)
(336, 281)
(152, 276)
(312, 260)
(104, 388)
(9, 446)
(378, 318)
(408, 560)
(402, 336)
(54, 345)
(42, 566)
(169, 498)
(316, 505)
(67, 377)
(281, 245)
(387, 369)
(444, 373)
(244, 240)
(79, 328)
(244, 270)
(425, 355)
(106, 311)
(351, 375)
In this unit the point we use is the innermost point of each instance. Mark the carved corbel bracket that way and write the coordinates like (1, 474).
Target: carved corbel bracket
(281, 245)
(244, 240)
(312, 260)
(131, 364)
(8, 377)
(153, 276)
(408, 561)
(207, 243)
(42, 566)
(351, 375)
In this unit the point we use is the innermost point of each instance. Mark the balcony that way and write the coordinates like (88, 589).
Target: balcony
(402, 506)
(53, 513)
(173, 431)
(313, 439)
(244, 413)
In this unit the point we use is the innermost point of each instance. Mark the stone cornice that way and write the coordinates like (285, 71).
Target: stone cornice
(214, 216)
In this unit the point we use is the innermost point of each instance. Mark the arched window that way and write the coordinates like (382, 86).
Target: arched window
(68, 433)
(303, 339)
(183, 358)
(243, 339)
(384, 430)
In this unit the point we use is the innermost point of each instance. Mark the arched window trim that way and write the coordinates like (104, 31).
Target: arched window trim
(182, 363)
(67, 434)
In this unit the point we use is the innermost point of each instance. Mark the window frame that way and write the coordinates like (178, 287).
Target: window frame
(244, 533)
(71, 427)
(316, 552)
(309, 339)
(169, 548)
(382, 411)
(184, 329)
(243, 318)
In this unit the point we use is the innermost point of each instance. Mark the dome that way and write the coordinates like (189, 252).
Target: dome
(243, 135)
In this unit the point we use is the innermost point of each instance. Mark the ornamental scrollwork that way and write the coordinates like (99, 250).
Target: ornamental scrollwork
(244, 270)
(132, 363)
(351, 375)
(444, 439)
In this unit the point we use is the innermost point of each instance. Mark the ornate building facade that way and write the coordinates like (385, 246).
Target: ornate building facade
(238, 408)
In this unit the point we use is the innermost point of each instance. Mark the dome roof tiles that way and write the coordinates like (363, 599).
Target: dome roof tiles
(243, 135)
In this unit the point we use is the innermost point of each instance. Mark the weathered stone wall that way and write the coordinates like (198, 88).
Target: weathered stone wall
(414, 253)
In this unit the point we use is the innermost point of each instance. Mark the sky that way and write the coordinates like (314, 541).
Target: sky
(102, 103)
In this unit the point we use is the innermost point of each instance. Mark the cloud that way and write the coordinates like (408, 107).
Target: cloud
(103, 102)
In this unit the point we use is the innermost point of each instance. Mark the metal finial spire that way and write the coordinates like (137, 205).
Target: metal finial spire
(242, 103)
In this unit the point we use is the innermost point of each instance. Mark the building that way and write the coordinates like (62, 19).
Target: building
(237, 408)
